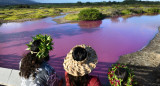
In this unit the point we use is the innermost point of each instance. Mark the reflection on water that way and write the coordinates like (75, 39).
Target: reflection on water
(110, 38)
(115, 20)
(89, 24)
(0, 24)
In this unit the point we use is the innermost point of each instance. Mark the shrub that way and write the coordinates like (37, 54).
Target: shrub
(153, 10)
(22, 6)
(115, 13)
(90, 14)
(137, 11)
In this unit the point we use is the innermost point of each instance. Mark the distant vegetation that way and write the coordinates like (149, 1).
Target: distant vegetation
(90, 14)
(81, 4)
(19, 14)
(108, 9)
(112, 11)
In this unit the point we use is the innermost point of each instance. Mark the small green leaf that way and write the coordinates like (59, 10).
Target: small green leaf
(28, 49)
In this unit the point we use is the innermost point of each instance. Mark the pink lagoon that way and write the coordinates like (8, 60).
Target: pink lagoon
(110, 38)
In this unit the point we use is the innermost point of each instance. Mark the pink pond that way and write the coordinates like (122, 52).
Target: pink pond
(110, 38)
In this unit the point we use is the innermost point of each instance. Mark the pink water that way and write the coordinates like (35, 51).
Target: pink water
(110, 38)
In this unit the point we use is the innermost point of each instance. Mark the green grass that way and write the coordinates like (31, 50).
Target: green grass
(109, 11)
(17, 14)
(72, 17)
(115, 10)
(126, 12)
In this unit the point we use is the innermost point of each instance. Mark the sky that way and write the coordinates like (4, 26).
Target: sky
(74, 1)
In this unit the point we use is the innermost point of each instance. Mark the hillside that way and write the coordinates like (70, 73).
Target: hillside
(13, 2)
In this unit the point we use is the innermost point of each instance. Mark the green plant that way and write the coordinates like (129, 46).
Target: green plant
(125, 12)
(12, 18)
(153, 10)
(72, 17)
(23, 13)
(114, 81)
(44, 47)
(90, 14)
(137, 11)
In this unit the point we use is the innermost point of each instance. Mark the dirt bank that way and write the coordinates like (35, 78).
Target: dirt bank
(149, 56)
(145, 63)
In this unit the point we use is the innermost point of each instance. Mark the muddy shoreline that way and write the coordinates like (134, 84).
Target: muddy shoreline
(148, 56)
(20, 20)
(63, 20)
(145, 63)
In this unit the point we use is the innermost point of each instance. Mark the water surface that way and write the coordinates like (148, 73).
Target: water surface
(110, 38)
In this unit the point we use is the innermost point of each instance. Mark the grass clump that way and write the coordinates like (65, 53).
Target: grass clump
(72, 17)
(85, 13)
(90, 14)
(126, 12)
(12, 18)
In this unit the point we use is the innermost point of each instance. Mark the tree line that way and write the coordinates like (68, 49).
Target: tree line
(82, 4)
